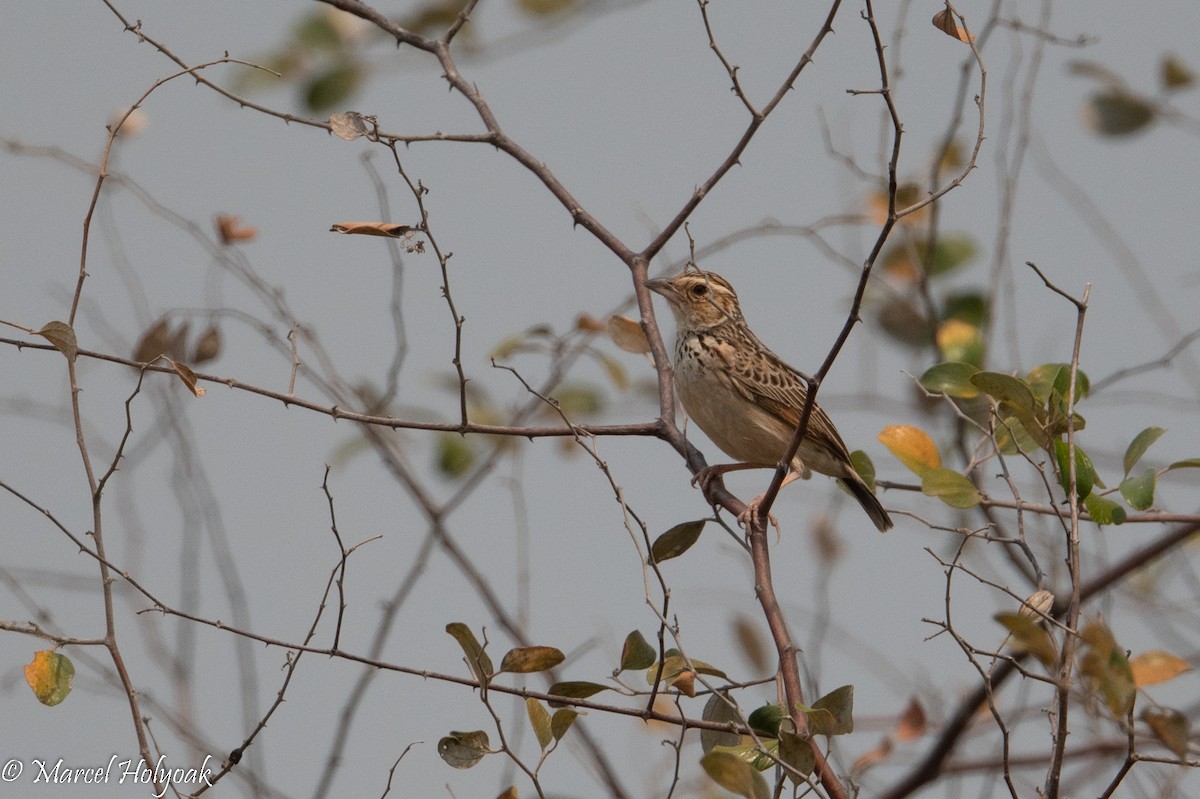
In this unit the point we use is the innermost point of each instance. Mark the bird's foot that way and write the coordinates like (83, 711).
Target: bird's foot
(750, 518)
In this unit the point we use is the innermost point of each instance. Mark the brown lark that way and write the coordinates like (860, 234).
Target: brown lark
(743, 396)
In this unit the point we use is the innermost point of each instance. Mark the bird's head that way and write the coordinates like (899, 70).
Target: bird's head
(699, 300)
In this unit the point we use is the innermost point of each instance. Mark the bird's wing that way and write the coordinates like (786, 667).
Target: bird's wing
(779, 388)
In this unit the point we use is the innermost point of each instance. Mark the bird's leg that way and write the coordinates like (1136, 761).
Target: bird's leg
(705, 476)
(748, 518)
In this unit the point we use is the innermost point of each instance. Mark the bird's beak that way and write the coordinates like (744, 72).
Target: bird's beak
(664, 287)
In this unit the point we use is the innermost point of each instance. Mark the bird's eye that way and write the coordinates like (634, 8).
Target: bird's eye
(699, 290)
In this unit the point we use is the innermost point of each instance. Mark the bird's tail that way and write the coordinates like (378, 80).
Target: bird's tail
(869, 502)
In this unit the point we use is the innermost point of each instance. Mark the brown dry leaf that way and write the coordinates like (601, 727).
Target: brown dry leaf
(386, 229)
(177, 346)
(590, 324)
(188, 377)
(154, 342)
(1156, 666)
(872, 757)
(947, 23)
(208, 346)
(826, 540)
(231, 230)
(752, 644)
(912, 723)
(685, 682)
(906, 194)
(350, 125)
(1037, 606)
(627, 334)
(62, 337)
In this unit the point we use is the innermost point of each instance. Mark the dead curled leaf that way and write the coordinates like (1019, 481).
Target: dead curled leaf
(387, 229)
(188, 377)
(351, 125)
(947, 23)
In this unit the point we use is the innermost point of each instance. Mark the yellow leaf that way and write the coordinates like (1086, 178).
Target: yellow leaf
(50, 675)
(1156, 666)
(912, 446)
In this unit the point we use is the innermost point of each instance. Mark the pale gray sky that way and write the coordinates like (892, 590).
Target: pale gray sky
(631, 110)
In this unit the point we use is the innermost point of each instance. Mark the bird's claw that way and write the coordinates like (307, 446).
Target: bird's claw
(749, 518)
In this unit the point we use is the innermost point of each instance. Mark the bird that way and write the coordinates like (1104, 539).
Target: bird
(744, 396)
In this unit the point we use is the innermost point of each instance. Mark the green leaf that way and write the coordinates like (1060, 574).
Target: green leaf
(333, 87)
(562, 721)
(1189, 463)
(721, 708)
(1062, 382)
(798, 753)
(960, 342)
(765, 720)
(952, 378)
(758, 758)
(1085, 473)
(1108, 668)
(579, 399)
(1118, 113)
(530, 659)
(900, 320)
(464, 749)
(545, 8)
(316, 29)
(1103, 510)
(1139, 490)
(62, 337)
(950, 487)
(454, 454)
(839, 704)
(1030, 636)
(950, 251)
(477, 659)
(1013, 436)
(865, 467)
(615, 370)
(50, 675)
(539, 719)
(675, 664)
(1139, 445)
(970, 307)
(576, 689)
(1048, 377)
(1173, 74)
(676, 541)
(1007, 390)
(735, 775)
(1169, 726)
(636, 652)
